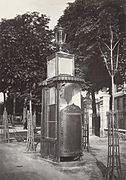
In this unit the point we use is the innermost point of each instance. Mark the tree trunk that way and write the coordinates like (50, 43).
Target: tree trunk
(94, 115)
(25, 114)
(110, 103)
(14, 109)
(34, 119)
(4, 98)
(30, 104)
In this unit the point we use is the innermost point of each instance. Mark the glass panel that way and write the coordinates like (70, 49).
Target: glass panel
(52, 95)
(65, 66)
(52, 109)
(51, 71)
(51, 114)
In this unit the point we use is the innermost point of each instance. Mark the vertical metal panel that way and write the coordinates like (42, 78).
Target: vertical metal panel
(42, 122)
(58, 122)
(57, 70)
(49, 143)
(71, 131)
(52, 122)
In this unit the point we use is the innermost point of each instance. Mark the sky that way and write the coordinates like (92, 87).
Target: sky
(52, 8)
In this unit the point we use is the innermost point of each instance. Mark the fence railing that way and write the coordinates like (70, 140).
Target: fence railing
(121, 119)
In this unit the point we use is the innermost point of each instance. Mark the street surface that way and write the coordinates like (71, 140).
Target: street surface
(99, 149)
(17, 164)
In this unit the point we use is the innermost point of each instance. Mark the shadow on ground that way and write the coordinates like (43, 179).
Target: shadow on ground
(102, 168)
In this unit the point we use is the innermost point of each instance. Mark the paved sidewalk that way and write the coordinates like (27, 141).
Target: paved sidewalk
(99, 149)
(17, 164)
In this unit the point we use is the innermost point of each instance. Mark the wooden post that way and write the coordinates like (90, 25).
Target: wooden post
(113, 161)
(6, 127)
(34, 121)
(25, 114)
(30, 132)
(14, 108)
(94, 115)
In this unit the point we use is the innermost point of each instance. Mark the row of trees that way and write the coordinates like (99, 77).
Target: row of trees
(25, 43)
(90, 26)
(87, 25)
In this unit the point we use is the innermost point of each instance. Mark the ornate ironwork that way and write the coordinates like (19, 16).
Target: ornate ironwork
(85, 132)
(30, 132)
(113, 162)
(85, 123)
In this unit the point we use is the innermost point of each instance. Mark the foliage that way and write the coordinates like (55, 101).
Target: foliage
(87, 27)
(25, 44)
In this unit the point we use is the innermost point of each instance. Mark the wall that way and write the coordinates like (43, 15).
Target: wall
(102, 108)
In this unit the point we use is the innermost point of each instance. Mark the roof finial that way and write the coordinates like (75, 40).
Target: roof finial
(60, 37)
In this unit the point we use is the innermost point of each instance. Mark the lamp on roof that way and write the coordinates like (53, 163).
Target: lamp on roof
(60, 37)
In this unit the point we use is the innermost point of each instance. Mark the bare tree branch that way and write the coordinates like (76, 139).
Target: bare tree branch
(105, 62)
(111, 34)
(115, 44)
(107, 46)
(111, 51)
(117, 60)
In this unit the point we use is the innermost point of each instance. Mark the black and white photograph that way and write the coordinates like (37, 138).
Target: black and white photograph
(62, 89)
